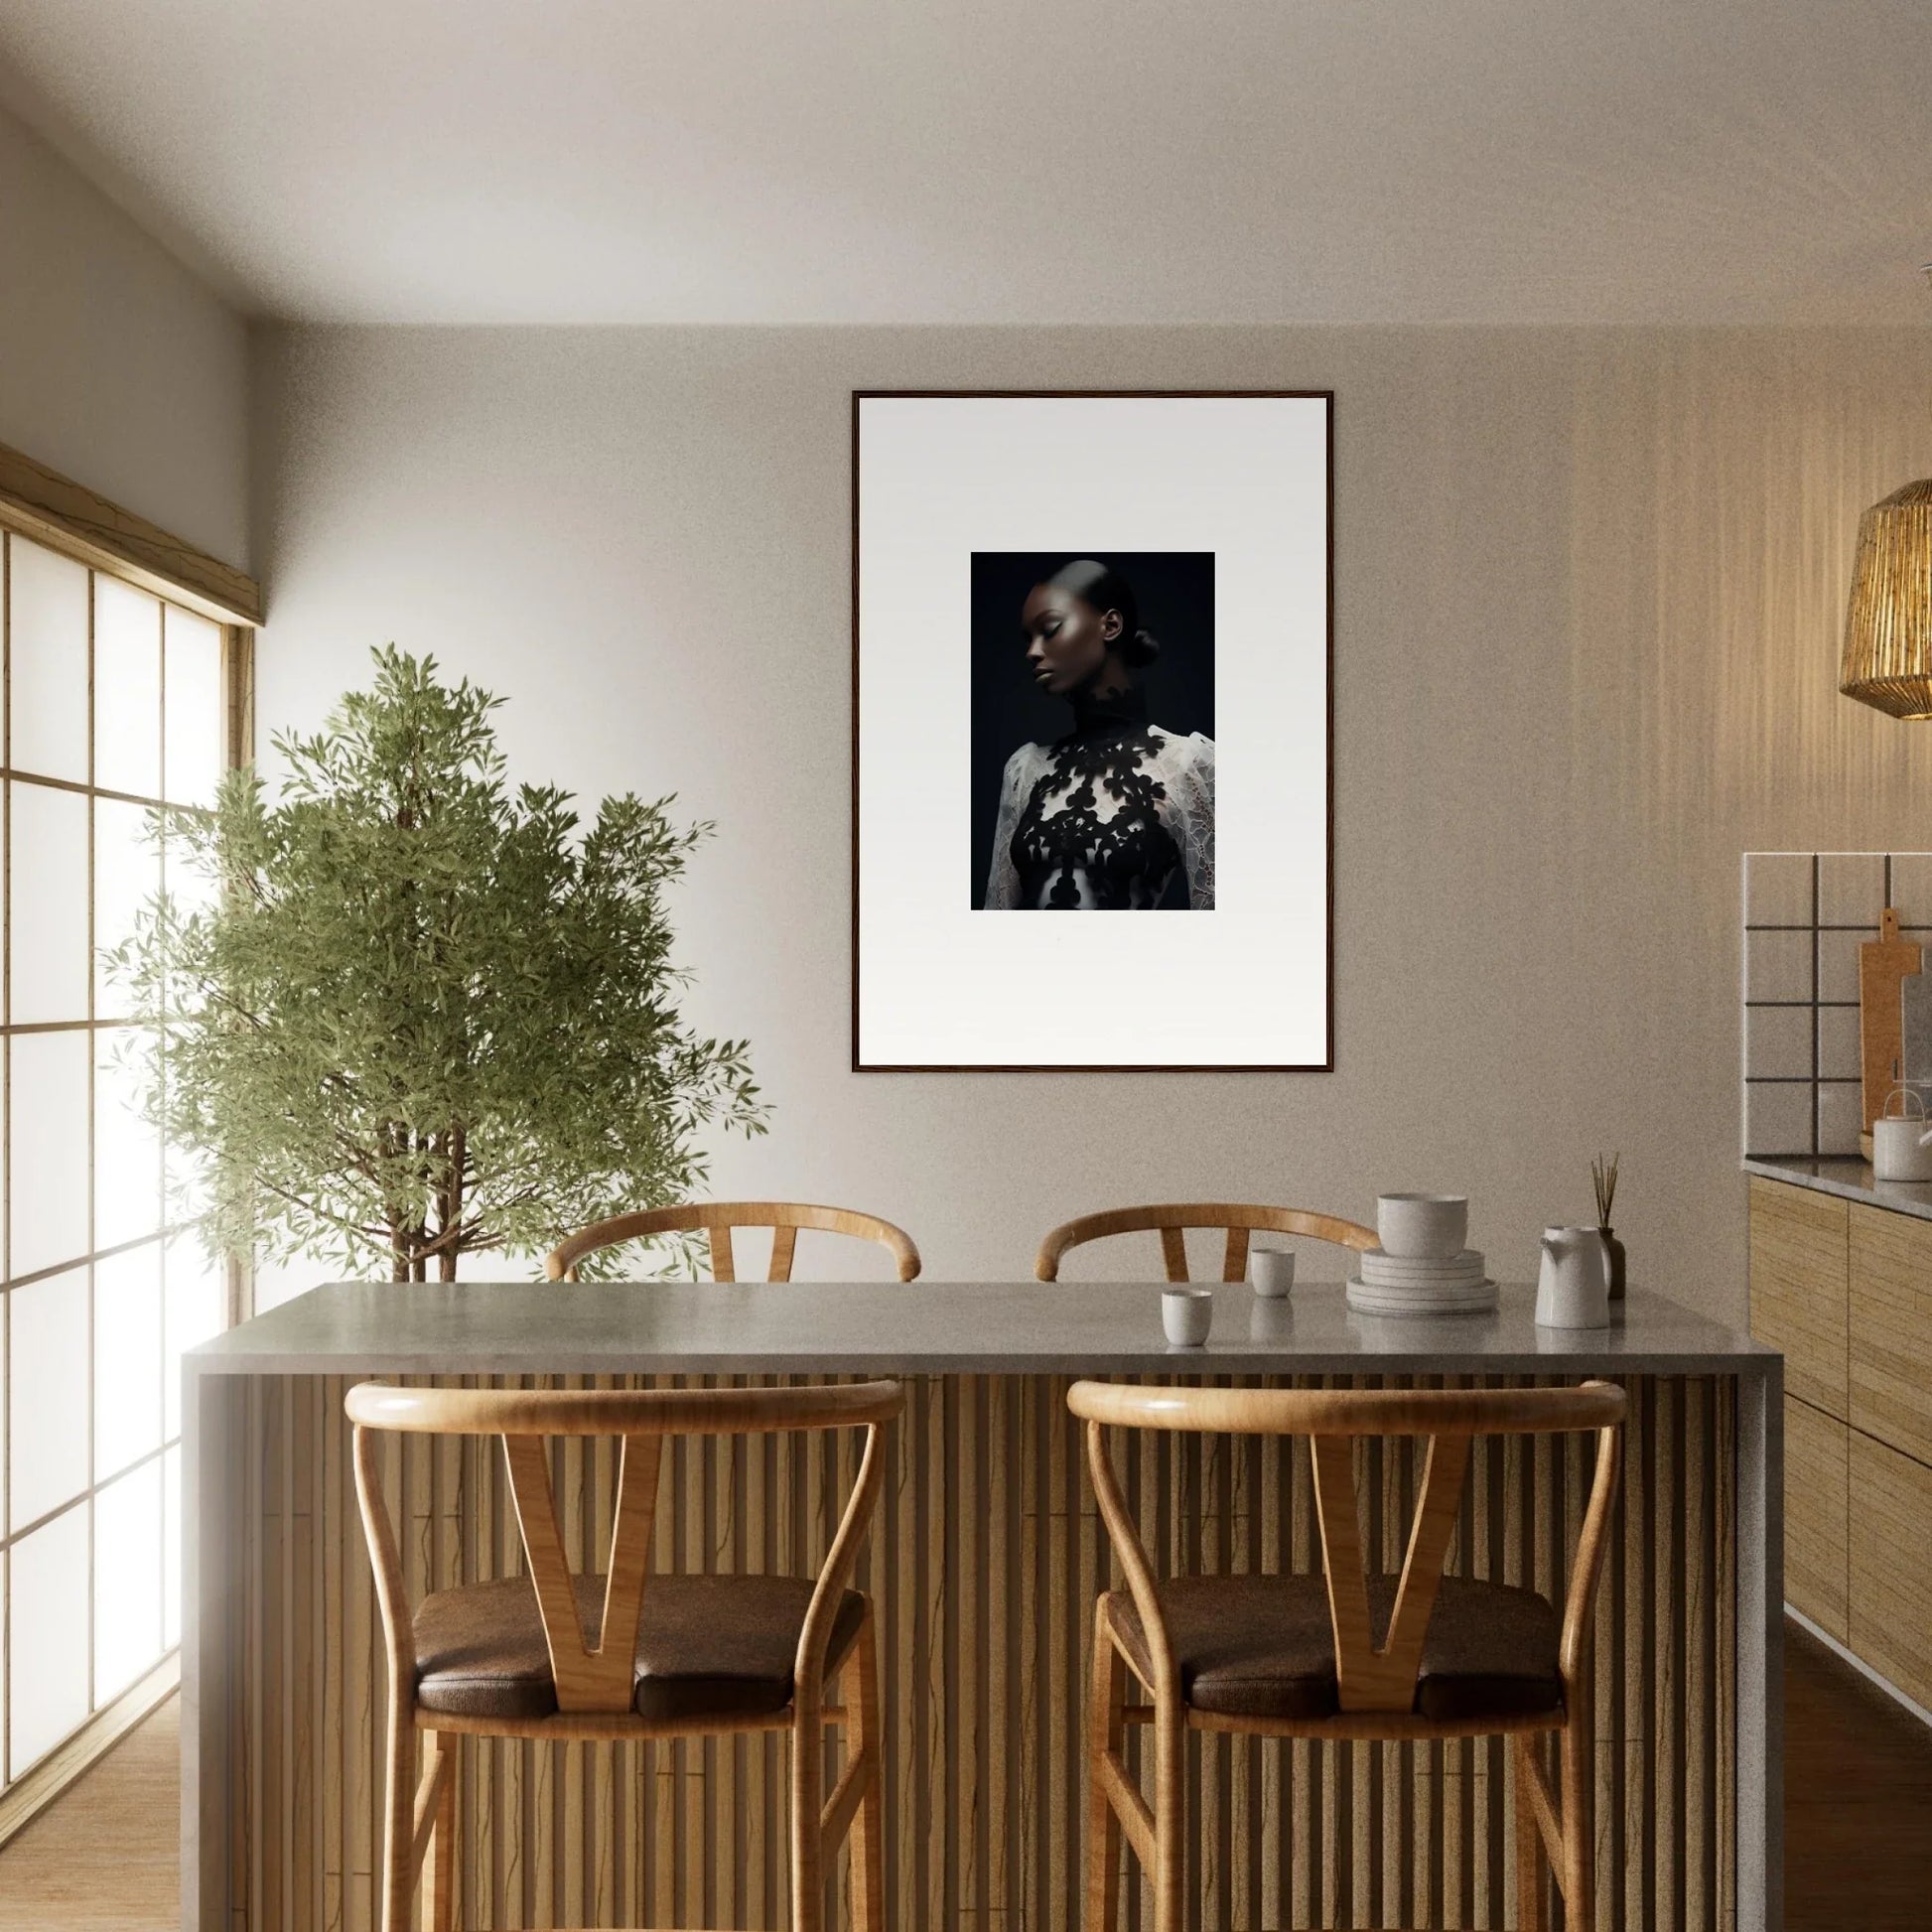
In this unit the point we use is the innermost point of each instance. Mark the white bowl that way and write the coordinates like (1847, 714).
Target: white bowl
(1422, 1224)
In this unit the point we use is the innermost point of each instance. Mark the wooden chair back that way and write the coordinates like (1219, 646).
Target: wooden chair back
(716, 1219)
(1372, 1674)
(593, 1670)
(1174, 1218)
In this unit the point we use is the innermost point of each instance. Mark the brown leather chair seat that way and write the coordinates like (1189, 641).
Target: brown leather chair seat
(707, 1646)
(1264, 1647)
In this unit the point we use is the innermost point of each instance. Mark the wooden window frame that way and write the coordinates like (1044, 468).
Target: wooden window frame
(52, 510)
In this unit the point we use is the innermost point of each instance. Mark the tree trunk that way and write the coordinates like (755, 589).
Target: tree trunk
(450, 1200)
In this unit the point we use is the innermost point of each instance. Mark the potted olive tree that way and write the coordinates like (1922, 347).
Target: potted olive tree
(414, 1013)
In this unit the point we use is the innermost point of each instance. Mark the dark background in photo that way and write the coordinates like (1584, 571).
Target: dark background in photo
(1175, 590)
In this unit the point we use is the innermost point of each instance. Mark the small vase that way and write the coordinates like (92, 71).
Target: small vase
(1615, 1248)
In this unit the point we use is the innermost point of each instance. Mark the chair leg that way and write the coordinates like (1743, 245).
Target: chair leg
(1106, 1698)
(1170, 1812)
(399, 1824)
(1577, 1751)
(807, 1801)
(1532, 1890)
(439, 1899)
(865, 1738)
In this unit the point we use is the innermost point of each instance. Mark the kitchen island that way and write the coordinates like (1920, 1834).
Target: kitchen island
(985, 1559)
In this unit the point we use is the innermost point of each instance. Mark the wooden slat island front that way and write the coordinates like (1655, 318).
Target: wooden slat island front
(985, 1559)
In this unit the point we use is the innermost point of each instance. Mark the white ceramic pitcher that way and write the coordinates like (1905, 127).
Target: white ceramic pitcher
(1901, 1143)
(1574, 1289)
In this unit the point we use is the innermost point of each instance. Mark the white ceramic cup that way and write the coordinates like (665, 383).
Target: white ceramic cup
(1188, 1313)
(1418, 1225)
(1272, 1270)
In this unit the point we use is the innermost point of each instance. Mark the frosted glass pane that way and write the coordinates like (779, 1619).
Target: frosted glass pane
(190, 883)
(170, 1549)
(48, 1150)
(48, 664)
(127, 1150)
(47, 1662)
(47, 1419)
(127, 1358)
(48, 902)
(197, 1302)
(127, 688)
(127, 875)
(183, 1184)
(127, 1579)
(196, 714)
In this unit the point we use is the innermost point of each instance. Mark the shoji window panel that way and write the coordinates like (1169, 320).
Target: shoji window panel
(115, 700)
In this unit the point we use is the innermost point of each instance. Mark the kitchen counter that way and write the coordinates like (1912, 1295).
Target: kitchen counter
(1850, 1178)
(985, 1559)
(932, 1329)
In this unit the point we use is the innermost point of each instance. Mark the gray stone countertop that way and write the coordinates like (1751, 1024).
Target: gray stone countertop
(933, 1328)
(1850, 1178)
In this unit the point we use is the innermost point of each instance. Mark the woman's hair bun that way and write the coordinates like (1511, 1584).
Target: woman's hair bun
(1142, 647)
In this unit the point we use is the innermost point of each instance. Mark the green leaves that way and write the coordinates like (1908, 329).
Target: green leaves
(426, 1016)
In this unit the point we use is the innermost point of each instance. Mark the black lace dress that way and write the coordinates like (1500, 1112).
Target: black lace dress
(1100, 820)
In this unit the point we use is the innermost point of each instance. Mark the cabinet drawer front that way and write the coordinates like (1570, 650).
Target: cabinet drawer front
(1891, 1329)
(1798, 1289)
(1815, 1474)
(1892, 1565)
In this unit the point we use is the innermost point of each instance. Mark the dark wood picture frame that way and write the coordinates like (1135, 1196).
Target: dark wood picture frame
(1327, 398)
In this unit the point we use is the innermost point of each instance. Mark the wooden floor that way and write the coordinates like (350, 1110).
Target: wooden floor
(105, 1857)
(1857, 1800)
(1858, 1819)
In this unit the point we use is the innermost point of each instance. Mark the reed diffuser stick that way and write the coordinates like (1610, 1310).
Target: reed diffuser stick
(1603, 1176)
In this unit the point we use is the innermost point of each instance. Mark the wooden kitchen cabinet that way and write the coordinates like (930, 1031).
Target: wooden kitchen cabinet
(1892, 1565)
(1891, 1329)
(1817, 1494)
(1800, 1289)
(1844, 1288)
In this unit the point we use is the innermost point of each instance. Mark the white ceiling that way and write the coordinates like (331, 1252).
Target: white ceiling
(1009, 161)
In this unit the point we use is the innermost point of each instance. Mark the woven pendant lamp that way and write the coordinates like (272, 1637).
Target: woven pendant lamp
(1888, 658)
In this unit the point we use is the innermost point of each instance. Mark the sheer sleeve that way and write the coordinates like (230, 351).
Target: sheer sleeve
(1002, 879)
(1192, 794)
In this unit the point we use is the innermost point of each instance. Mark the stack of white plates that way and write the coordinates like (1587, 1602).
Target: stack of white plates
(1422, 1284)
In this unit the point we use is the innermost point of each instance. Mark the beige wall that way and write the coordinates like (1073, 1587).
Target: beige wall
(1587, 589)
(118, 366)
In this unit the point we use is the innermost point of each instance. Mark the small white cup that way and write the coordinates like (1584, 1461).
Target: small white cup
(1186, 1314)
(1423, 1225)
(1272, 1270)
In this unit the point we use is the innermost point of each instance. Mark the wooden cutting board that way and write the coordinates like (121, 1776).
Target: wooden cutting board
(1884, 965)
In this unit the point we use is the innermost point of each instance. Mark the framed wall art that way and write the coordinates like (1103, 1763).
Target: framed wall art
(1092, 644)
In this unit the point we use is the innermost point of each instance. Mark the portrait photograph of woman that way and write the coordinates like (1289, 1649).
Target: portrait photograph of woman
(1091, 645)
(1093, 730)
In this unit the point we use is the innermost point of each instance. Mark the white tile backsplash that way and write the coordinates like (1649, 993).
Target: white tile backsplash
(1838, 1043)
(1777, 888)
(1911, 888)
(1851, 888)
(1803, 1064)
(1778, 1118)
(1841, 1116)
(1777, 1042)
(1838, 963)
(1777, 965)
